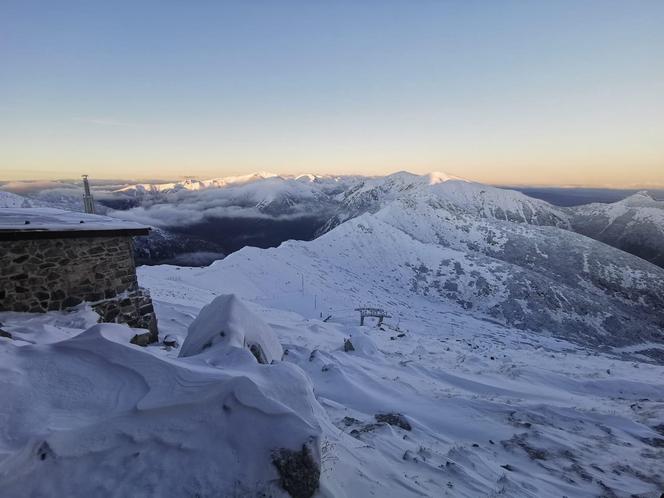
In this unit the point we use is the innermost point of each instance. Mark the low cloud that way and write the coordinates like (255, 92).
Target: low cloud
(30, 187)
(271, 200)
(186, 214)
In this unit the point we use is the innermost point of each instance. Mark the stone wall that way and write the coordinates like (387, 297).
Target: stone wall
(133, 308)
(54, 274)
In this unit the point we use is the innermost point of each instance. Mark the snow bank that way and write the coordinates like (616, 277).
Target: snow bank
(227, 323)
(95, 416)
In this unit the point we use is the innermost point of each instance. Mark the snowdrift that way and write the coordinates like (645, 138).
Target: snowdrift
(227, 323)
(96, 416)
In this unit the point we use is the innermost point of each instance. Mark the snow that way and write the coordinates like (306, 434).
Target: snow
(557, 413)
(225, 323)
(494, 410)
(93, 415)
(222, 182)
(641, 206)
(50, 219)
(497, 407)
(10, 200)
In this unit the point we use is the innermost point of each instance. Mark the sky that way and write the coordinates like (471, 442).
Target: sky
(503, 92)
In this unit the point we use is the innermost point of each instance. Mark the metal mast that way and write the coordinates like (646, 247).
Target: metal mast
(88, 201)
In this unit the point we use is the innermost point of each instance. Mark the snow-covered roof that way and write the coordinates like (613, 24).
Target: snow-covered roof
(30, 222)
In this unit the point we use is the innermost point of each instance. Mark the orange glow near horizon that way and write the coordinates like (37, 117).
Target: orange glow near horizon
(504, 93)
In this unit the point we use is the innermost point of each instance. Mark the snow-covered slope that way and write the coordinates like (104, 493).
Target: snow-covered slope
(451, 193)
(67, 199)
(520, 356)
(538, 278)
(519, 359)
(9, 200)
(635, 225)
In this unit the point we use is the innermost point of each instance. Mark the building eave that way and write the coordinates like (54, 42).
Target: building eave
(36, 234)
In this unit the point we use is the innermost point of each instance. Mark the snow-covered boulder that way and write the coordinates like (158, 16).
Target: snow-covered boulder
(227, 323)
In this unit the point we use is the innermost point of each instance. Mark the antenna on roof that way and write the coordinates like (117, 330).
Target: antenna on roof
(88, 201)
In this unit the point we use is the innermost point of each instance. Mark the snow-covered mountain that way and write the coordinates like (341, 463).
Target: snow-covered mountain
(66, 199)
(255, 195)
(540, 278)
(264, 209)
(194, 184)
(518, 359)
(521, 356)
(191, 184)
(448, 192)
(634, 224)
(10, 200)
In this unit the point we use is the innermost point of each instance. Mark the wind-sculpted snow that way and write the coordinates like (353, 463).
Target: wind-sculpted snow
(96, 416)
(635, 225)
(227, 323)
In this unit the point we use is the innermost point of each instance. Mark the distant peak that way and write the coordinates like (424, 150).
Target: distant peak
(640, 195)
(439, 177)
(402, 174)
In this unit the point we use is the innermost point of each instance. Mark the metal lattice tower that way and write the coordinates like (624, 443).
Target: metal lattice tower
(88, 201)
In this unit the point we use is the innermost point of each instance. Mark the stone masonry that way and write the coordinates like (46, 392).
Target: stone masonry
(58, 273)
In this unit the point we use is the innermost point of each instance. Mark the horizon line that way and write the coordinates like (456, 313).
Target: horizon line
(158, 180)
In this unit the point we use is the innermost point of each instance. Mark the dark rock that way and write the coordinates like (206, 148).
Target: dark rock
(256, 350)
(171, 341)
(146, 309)
(141, 339)
(152, 327)
(395, 419)
(6, 334)
(356, 433)
(298, 471)
(348, 421)
(58, 294)
(44, 451)
(71, 301)
(348, 346)
(110, 315)
(654, 442)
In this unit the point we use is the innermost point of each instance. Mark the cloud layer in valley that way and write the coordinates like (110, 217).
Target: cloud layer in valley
(278, 199)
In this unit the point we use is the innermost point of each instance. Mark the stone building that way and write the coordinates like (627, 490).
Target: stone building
(52, 260)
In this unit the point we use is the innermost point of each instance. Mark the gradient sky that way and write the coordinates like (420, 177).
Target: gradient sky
(523, 92)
